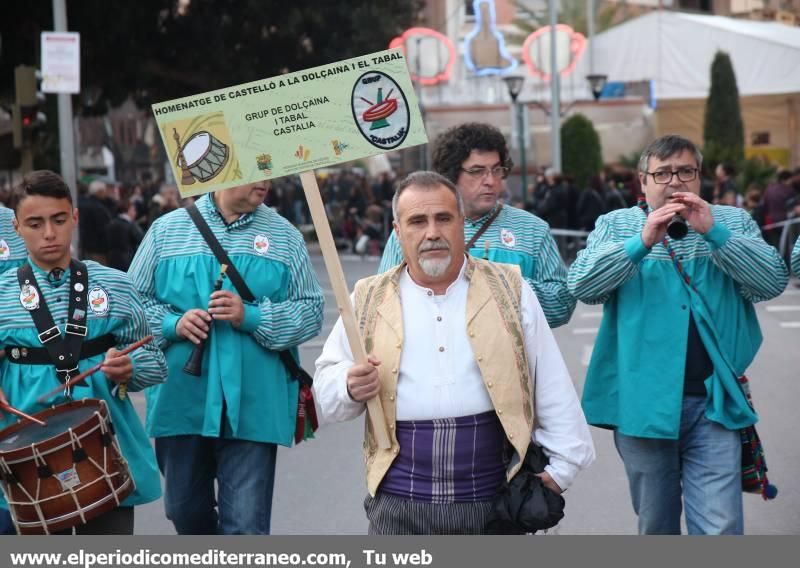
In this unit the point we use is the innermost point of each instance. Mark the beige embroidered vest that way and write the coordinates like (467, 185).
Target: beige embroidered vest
(496, 337)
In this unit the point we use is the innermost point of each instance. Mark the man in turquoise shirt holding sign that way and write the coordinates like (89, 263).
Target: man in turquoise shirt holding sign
(225, 424)
(678, 329)
(475, 157)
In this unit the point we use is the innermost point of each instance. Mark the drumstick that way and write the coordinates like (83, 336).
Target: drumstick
(94, 369)
(12, 410)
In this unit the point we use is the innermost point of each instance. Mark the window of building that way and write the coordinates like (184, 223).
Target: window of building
(469, 9)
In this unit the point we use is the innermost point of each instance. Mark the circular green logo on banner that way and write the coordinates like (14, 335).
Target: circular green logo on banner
(380, 110)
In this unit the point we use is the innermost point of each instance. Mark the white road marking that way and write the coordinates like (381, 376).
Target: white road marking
(584, 330)
(586, 355)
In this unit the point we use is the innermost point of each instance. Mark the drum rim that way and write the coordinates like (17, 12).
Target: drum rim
(51, 450)
(46, 446)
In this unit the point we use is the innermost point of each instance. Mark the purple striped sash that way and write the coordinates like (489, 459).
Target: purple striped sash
(448, 460)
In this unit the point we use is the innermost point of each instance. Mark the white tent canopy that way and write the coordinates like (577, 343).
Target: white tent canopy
(676, 49)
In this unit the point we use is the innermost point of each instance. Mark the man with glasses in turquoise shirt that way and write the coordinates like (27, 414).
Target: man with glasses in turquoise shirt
(475, 157)
(679, 327)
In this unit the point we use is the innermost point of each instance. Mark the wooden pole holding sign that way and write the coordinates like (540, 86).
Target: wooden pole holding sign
(339, 284)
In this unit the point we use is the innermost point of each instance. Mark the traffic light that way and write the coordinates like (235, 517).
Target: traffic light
(26, 115)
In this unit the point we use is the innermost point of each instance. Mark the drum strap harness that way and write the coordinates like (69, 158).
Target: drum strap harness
(305, 407)
(64, 351)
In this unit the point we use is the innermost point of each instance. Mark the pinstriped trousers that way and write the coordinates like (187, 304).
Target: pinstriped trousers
(391, 515)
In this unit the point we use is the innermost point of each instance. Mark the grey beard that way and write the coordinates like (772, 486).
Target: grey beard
(435, 267)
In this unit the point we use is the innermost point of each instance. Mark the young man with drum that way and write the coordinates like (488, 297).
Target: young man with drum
(52, 308)
(223, 419)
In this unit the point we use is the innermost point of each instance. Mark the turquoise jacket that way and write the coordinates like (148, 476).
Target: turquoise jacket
(635, 378)
(796, 258)
(515, 237)
(12, 248)
(123, 317)
(175, 270)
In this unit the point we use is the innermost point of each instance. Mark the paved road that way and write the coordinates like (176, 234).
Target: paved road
(320, 484)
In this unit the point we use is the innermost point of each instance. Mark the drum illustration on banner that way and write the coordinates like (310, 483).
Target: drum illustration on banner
(201, 151)
(203, 156)
(380, 110)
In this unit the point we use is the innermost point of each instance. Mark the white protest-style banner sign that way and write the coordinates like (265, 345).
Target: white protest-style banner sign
(61, 62)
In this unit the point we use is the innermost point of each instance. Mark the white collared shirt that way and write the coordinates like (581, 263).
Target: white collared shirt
(439, 377)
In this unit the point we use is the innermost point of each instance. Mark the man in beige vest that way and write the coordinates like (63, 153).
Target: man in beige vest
(467, 371)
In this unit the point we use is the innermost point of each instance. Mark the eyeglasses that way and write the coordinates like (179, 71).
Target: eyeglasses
(664, 177)
(479, 172)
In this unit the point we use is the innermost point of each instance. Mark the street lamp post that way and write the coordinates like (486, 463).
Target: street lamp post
(596, 83)
(514, 84)
(423, 148)
(66, 128)
(555, 90)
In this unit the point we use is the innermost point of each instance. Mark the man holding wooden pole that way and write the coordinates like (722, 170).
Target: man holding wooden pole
(464, 363)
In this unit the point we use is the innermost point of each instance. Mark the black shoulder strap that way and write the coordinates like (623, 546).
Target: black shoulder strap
(483, 228)
(64, 352)
(295, 370)
(222, 256)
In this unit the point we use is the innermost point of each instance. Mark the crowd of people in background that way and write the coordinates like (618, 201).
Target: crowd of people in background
(358, 206)
(557, 199)
(115, 216)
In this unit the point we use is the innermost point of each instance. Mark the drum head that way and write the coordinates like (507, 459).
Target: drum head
(196, 148)
(56, 424)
